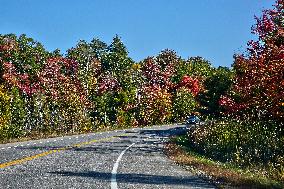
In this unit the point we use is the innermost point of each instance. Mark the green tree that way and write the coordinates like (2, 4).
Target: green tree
(26, 54)
(184, 104)
(119, 63)
(196, 67)
(216, 85)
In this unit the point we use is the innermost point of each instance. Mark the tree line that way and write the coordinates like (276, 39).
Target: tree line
(96, 85)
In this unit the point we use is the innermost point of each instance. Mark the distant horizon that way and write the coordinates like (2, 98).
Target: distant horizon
(213, 30)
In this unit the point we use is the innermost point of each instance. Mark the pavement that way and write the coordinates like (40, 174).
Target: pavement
(131, 158)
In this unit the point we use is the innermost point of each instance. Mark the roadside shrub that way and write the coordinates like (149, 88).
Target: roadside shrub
(246, 144)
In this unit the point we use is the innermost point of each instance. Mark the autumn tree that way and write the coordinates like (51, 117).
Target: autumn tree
(21, 59)
(157, 87)
(258, 89)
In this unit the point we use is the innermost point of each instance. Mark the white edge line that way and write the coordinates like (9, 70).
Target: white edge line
(115, 166)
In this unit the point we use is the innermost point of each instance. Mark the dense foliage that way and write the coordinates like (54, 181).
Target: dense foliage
(258, 90)
(251, 96)
(95, 85)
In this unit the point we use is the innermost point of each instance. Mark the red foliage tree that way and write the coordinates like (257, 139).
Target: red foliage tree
(24, 82)
(259, 83)
(58, 79)
(191, 84)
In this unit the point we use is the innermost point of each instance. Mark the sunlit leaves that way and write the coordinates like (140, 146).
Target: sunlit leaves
(155, 105)
(43, 86)
(192, 85)
(184, 104)
(5, 109)
(258, 84)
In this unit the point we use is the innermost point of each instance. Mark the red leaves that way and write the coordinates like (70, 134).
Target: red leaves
(264, 25)
(27, 85)
(270, 25)
(107, 83)
(260, 74)
(59, 78)
(61, 66)
(152, 71)
(156, 104)
(190, 84)
(154, 74)
(231, 105)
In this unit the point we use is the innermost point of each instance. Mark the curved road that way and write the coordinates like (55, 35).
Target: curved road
(131, 158)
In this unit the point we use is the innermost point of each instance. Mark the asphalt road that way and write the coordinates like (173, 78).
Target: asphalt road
(123, 159)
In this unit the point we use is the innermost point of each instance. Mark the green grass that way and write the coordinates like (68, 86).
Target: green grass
(223, 175)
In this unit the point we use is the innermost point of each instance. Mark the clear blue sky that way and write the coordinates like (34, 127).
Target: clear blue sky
(213, 29)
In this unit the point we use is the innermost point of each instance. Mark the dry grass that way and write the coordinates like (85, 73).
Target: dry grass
(37, 136)
(219, 174)
(40, 135)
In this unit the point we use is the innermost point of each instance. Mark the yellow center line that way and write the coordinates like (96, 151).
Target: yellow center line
(29, 158)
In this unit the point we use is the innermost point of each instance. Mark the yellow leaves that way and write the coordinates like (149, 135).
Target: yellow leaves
(5, 112)
(136, 66)
(94, 81)
(156, 103)
(3, 95)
